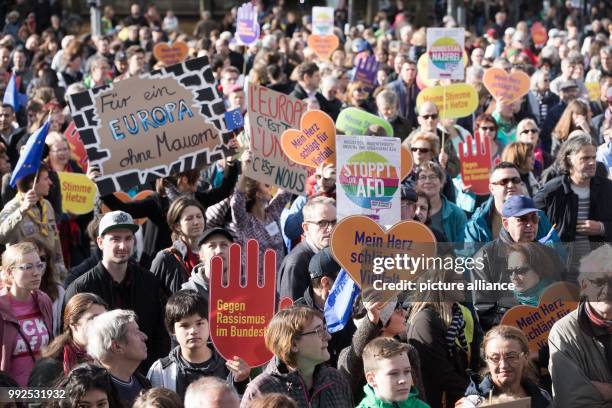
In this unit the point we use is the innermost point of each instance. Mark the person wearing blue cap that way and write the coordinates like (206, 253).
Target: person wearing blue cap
(519, 225)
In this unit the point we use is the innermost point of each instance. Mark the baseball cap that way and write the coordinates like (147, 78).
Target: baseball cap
(215, 231)
(115, 220)
(570, 83)
(323, 264)
(518, 205)
(408, 193)
(491, 33)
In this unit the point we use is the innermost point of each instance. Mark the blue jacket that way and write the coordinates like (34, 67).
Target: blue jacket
(453, 221)
(478, 228)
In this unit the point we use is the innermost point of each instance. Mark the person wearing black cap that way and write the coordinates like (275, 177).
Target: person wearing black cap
(520, 220)
(214, 242)
(323, 270)
(408, 202)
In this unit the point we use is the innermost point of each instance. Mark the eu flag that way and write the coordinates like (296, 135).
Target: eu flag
(13, 97)
(339, 303)
(29, 160)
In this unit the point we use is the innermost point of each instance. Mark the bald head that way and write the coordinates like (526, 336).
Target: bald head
(211, 392)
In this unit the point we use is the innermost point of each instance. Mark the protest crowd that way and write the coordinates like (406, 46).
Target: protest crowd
(121, 304)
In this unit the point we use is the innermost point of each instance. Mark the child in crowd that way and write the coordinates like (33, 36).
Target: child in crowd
(187, 321)
(388, 373)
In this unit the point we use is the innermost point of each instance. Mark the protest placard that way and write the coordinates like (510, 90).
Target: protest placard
(247, 26)
(159, 123)
(78, 192)
(357, 241)
(475, 158)
(171, 54)
(556, 301)
(506, 87)
(323, 45)
(517, 403)
(368, 180)
(453, 101)
(354, 121)
(314, 143)
(322, 20)
(594, 90)
(240, 314)
(539, 34)
(445, 51)
(270, 113)
(365, 70)
(77, 149)
(423, 79)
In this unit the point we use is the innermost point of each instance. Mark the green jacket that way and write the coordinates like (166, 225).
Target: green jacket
(371, 401)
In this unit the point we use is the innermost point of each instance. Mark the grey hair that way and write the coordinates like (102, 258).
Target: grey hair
(535, 78)
(388, 97)
(199, 392)
(106, 328)
(472, 72)
(576, 141)
(599, 260)
(310, 207)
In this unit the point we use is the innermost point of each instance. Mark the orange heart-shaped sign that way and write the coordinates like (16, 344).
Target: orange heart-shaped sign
(506, 87)
(126, 199)
(314, 143)
(170, 55)
(556, 301)
(323, 45)
(357, 240)
(407, 162)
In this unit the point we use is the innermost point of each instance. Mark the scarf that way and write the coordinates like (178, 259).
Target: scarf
(596, 320)
(43, 226)
(456, 330)
(73, 354)
(531, 296)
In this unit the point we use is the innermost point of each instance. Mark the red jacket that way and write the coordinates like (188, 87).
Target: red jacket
(9, 324)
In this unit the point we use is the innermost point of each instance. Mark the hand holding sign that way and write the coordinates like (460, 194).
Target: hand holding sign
(247, 27)
(475, 157)
(365, 70)
(240, 314)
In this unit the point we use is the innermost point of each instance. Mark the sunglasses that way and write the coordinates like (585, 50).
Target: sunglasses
(432, 116)
(504, 182)
(521, 270)
(420, 150)
(360, 90)
(487, 128)
(529, 131)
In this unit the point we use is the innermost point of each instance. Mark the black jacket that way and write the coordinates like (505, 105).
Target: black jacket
(560, 203)
(144, 296)
(339, 339)
(300, 93)
(293, 277)
(157, 235)
(486, 386)
(169, 267)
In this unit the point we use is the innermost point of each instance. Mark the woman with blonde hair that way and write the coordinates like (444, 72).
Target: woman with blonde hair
(521, 155)
(23, 304)
(577, 116)
(508, 372)
(358, 96)
(527, 131)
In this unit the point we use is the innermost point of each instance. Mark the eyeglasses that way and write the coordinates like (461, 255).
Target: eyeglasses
(431, 177)
(504, 182)
(40, 266)
(510, 358)
(420, 150)
(487, 128)
(601, 282)
(432, 116)
(321, 331)
(360, 90)
(324, 224)
(529, 131)
(521, 270)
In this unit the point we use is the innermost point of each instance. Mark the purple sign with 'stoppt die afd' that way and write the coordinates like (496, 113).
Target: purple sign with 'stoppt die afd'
(247, 27)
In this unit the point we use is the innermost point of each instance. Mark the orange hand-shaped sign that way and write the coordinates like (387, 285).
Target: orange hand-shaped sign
(475, 157)
(239, 314)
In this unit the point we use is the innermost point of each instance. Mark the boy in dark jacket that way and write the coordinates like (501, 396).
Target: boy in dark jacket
(186, 320)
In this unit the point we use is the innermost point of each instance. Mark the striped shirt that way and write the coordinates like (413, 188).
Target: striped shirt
(582, 243)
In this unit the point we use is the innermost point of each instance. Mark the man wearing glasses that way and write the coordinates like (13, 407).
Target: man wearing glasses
(581, 342)
(293, 277)
(519, 225)
(486, 223)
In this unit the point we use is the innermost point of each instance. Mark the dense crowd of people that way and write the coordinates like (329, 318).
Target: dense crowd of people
(115, 313)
